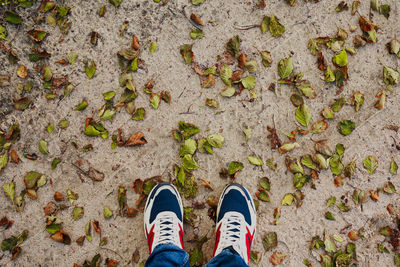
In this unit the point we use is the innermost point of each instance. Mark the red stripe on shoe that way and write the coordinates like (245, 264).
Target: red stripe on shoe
(217, 236)
(181, 235)
(249, 240)
(150, 237)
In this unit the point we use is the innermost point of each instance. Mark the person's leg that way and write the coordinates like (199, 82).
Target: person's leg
(236, 226)
(163, 226)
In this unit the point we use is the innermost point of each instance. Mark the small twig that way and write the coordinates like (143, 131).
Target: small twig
(244, 28)
(114, 252)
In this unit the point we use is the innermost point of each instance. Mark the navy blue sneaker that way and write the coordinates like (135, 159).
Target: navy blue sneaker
(163, 217)
(236, 221)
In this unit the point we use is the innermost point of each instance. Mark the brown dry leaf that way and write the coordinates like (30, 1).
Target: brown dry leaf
(392, 127)
(338, 181)
(22, 72)
(96, 226)
(61, 237)
(80, 240)
(149, 84)
(6, 223)
(196, 19)
(131, 212)
(277, 257)
(322, 64)
(14, 156)
(374, 195)
(4, 80)
(198, 69)
(367, 25)
(96, 174)
(50, 208)
(135, 43)
(261, 4)
(136, 256)
(111, 262)
(242, 59)
(58, 196)
(60, 81)
(390, 209)
(15, 253)
(210, 81)
(140, 201)
(353, 235)
(237, 75)
(138, 186)
(62, 62)
(136, 139)
(207, 184)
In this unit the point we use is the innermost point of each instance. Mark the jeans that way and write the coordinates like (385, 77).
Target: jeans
(169, 255)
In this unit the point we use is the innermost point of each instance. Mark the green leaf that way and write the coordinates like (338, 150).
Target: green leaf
(346, 127)
(331, 201)
(329, 216)
(215, 140)
(90, 69)
(336, 165)
(3, 160)
(107, 213)
(197, 2)
(13, 17)
(116, 3)
(3, 33)
(226, 74)
(31, 178)
(390, 76)
(82, 106)
(305, 88)
(109, 95)
(393, 167)
(77, 213)
(234, 166)
(270, 241)
(107, 115)
(248, 82)
(389, 188)
(53, 228)
(91, 131)
(329, 75)
(263, 195)
(228, 91)
(287, 199)
(247, 133)
(385, 10)
(396, 259)
(233, 46)
(9, 190)
(265, 183)
(285, 67)
(340, 59)
(43, 147)
(303, 114)
(189, 163)
(155, 100)
(264, 24)
(188, 129)
(196, 256)
(134, 64)
(139, 114)
(196, 34)
(153, 47)
(188, 147)
(55, 162)
(255, 161)
(251, 66)
(330, 245)
(275, 27)
(370, 164)
(308, 162)
(337, 106)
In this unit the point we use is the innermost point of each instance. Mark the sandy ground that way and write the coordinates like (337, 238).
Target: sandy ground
(166, 25)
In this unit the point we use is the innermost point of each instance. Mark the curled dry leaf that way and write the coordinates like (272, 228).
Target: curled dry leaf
(58, 196)
(136, 139)
(14, 156)
(62, 237)
(207, 184)
(196, 19)
(135, 43)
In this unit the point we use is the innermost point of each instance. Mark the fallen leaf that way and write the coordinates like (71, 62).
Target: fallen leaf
(136, 139)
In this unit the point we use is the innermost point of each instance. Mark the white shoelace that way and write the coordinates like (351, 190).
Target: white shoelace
(231, 232)
(167, 229)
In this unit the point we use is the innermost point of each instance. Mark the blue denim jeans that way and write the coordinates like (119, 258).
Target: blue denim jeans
(169, 255)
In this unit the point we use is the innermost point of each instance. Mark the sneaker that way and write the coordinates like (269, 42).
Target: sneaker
(236, 221)
(163, 217)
